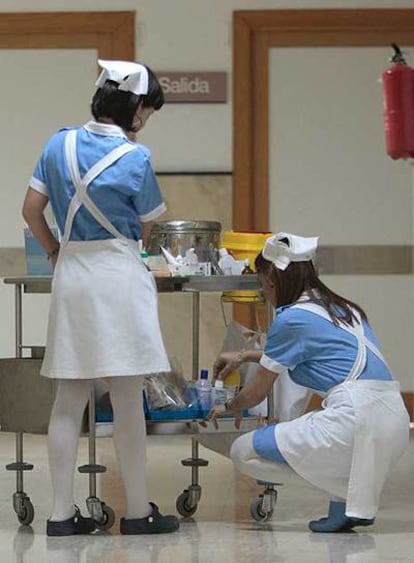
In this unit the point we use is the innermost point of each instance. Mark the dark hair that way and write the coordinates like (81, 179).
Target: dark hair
(121, 106)
(301, 277)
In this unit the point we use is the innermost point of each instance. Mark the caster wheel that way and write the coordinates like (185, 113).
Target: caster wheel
(26, 515)
(257, 512)
(108, 519)
(183, 507)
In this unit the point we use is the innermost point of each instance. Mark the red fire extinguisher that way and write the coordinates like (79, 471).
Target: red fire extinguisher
(398, 87)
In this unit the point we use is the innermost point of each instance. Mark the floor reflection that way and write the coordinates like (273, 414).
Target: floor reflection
(22, 542)
(348, 548)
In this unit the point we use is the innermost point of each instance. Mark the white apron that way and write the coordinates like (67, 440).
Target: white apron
(103, 318)
(348, 447)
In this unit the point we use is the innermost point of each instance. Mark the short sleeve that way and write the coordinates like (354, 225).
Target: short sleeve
(38, 180)
(149, 201)
(284, 347)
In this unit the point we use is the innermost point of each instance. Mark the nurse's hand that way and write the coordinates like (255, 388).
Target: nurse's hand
(54, 260)
(54, 255)
(220, 410)
(226, 363)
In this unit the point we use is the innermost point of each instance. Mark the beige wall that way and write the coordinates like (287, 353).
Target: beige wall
(206, 198)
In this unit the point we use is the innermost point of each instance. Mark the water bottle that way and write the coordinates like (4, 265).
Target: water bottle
(219, 394)
(203, 387)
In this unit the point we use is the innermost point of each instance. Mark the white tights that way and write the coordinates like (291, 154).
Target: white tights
(129, 440)
(248, 461)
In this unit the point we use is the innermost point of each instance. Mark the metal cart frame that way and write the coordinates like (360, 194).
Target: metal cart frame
(187, 501)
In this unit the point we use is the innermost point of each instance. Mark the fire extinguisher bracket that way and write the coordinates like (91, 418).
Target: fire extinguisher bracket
(398, 56)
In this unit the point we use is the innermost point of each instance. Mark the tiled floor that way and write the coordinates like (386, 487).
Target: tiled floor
(220, 531)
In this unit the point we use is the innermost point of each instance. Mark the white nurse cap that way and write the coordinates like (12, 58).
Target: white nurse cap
(296, 249)
(131, 77)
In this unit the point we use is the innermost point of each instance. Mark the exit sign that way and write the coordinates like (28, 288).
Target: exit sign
(194, 87)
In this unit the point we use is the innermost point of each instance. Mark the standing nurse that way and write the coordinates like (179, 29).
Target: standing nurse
(103, 319)
(327, 346)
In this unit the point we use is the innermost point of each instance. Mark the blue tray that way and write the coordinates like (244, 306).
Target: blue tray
(104, 413)
(190, 413)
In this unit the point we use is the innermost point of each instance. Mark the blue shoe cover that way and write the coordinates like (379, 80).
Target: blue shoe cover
(337, 522)
(353, 522)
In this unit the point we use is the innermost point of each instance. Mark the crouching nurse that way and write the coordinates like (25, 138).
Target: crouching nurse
(327, 345)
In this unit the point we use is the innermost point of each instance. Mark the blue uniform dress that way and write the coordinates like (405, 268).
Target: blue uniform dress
(317, 354)
(128, 190)
(103, 318)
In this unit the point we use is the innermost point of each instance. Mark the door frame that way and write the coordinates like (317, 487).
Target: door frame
(112, 34)
(254, 34)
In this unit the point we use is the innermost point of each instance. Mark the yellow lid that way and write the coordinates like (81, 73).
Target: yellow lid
(244, 240)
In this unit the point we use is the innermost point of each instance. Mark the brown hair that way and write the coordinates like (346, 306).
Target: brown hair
(301, 277)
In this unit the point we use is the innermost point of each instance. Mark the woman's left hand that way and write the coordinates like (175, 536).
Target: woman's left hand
(225, 363)
(220, 410)
(54, 260)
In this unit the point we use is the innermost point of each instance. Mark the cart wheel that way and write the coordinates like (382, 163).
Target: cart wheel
(257, 512)
(183, 507)
(26, 514)
(108, 519)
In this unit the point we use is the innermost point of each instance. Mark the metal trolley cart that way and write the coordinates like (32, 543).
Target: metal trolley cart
(22, 369)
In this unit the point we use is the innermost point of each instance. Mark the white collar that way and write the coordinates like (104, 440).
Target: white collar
(105, 129)
(303, 297)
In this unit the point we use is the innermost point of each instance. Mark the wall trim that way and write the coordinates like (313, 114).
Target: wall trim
(332, 260)
(366, 260)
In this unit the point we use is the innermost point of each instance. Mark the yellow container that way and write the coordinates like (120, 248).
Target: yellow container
(233, 379)
(243, 244)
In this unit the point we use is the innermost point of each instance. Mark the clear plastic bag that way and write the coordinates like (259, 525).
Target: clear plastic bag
(238, 338)
(168, 390)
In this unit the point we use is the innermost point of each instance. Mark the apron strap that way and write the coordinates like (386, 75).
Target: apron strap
(81, 184)
(357, 332)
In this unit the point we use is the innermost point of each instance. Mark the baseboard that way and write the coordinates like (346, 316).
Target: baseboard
(408, 398)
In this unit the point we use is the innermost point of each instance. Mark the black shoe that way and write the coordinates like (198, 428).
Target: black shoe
(155, 523)
(72, 526)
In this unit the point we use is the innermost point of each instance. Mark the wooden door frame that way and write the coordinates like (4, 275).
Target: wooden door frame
(254, 34)
(112, 34)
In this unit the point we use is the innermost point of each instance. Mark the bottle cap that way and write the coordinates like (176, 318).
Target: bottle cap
(204, 374)
(219, 384)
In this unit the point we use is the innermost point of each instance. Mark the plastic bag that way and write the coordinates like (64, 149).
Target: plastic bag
(239, 338)
(169, 390)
